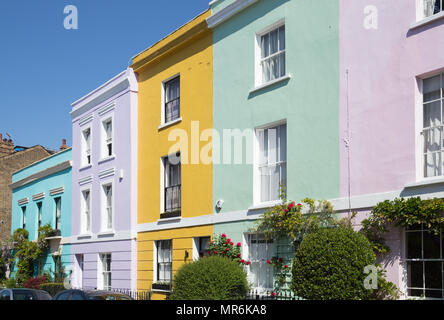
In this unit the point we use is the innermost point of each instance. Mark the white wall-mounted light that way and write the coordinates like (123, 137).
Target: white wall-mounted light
(219, 204)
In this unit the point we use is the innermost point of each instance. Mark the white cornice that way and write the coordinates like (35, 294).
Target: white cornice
(42, 174)
(107, 173)
(85, 180)
(228, 12)
(38, 196)
(55, 191)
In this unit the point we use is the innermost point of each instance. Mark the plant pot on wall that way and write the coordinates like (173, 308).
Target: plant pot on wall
(55, 246)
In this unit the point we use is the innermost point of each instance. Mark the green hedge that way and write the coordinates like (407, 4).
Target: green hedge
(52, 288)
(211, 278)
(329, 264)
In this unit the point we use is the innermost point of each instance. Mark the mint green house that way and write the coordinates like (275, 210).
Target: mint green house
(41, 194)
(276, 86)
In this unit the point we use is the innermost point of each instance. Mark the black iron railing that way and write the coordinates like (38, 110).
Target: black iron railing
(270, 295)
(173, 199)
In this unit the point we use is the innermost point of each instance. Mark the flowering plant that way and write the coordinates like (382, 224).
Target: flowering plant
(224, 246)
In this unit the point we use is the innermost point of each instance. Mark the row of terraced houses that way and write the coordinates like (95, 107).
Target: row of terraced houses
(332, 99)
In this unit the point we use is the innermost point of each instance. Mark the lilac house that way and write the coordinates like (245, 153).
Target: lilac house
(391, 124)
(104, 186)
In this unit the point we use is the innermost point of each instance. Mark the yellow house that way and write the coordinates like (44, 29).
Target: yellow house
(175, 183)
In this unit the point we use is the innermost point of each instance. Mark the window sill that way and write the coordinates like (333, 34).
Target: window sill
(270, 83)
(172, 214)
(84, 236)
(85, 167)
(166, 125)
(266, 205)
(427, 20)
(425, 182)
(112, 157)
(107, 233)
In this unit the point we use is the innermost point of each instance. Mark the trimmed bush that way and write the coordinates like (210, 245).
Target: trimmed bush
(329, 264)
(210, 278)
(52, 288)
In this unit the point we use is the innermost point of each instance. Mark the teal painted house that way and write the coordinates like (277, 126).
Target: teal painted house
(41, 194)
(276, 86)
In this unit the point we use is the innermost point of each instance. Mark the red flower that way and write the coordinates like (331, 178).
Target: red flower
(239, 255)
(231, 243)
(291, 205)
(239, 244)
(242, 261)
(228, 249)
(248, 262)
(273, 294)
(286, 266)
(229, 240)
(299, 204)
(224, 235)
(280, 259)
(268, 261)
(215, 252)
(286, 210)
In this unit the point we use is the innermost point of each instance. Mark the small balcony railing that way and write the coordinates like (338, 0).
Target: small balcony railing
(172, 110)
(172, 201)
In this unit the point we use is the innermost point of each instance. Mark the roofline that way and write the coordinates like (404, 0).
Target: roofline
(91, 93)
(41, 160)
(168, 35)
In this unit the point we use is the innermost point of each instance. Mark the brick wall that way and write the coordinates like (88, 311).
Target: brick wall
(9, 164)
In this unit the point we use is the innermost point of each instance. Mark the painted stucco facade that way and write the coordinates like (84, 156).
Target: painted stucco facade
(111, 168)
(386, 50)
(44, 184)
(306, 99)
(184, 56)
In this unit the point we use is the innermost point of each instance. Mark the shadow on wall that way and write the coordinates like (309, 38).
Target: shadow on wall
(247, 17)
(431, 25)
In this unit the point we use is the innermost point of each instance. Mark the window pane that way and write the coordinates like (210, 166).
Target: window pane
(433, 274)
(432, 165)
(265, 44)
(432, 139)
(273, 41)
(414, 250)
(274, 68)
(282, 64)
(431, 88)
(275, 182)
(283, 142)
(415, 274)
(273, 136)
(282, 38)
(431, 246)
(432, 114)
(266, 70)
(265, 184)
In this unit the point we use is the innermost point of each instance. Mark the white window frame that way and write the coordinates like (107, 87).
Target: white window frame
(246, 251)
(57, 216)
(104, 205)
(421, 9)
(196, 246)
(104, 140)
(101, 272)
(39, 215)
(258, 81)
(423, 260)
(164, 163)
(257, 174)
(85, 152)
(155, 260)
(83, 227)
(163, 100)
(419, 116)
(23, 217)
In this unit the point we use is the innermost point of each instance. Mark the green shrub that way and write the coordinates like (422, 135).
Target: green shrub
(11, 283)
(52, 288)
(329, 264)
(211, 278)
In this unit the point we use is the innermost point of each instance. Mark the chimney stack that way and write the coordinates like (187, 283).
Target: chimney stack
(63, 146)
(6, 146)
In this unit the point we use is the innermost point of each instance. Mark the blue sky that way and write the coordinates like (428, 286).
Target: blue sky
(44, 67)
